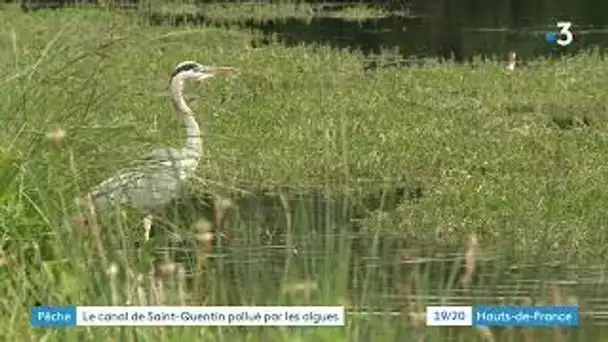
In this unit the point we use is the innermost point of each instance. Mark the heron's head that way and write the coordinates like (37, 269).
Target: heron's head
(193, 70)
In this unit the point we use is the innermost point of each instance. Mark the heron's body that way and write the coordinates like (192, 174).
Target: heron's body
(160, 177)
(150, 184)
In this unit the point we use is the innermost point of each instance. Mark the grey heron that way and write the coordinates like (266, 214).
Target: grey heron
(159, 177)
(511, 61)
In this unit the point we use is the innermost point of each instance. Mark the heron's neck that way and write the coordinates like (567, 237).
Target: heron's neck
(193, 134)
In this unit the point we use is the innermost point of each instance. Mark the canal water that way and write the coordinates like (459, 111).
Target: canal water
(448, 29)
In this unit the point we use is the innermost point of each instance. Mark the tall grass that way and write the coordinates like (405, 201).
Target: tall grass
(509, 167)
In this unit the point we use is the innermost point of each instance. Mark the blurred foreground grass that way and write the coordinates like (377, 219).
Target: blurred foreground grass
(514, 159)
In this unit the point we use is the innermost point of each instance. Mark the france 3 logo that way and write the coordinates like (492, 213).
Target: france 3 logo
(560, 40)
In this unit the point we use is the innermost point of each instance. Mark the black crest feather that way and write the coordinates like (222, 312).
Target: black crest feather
(184, 66)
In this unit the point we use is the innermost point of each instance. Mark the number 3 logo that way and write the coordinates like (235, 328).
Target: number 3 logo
(564, 32)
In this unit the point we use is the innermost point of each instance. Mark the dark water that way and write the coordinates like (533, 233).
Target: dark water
(448, 29)
(308, 235)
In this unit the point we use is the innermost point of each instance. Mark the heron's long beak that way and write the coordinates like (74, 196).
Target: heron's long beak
(217, 71)
(223, 71)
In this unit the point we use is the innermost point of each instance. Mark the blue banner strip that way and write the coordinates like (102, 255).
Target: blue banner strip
(53, 316)
(525, 316)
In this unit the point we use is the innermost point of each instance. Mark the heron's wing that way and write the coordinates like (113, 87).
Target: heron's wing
(164, 153)
(149, 182)
(112, 188)
(183, 162)
(143, 188)
(157, 159)
(168, 157)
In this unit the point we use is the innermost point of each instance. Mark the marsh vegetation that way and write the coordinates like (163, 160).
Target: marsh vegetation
(381, 190)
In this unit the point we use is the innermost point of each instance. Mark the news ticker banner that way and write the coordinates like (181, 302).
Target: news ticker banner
(480, 315)
(48, 316)
(503, 316)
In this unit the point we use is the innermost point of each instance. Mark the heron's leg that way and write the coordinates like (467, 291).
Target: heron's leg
(147, 226)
